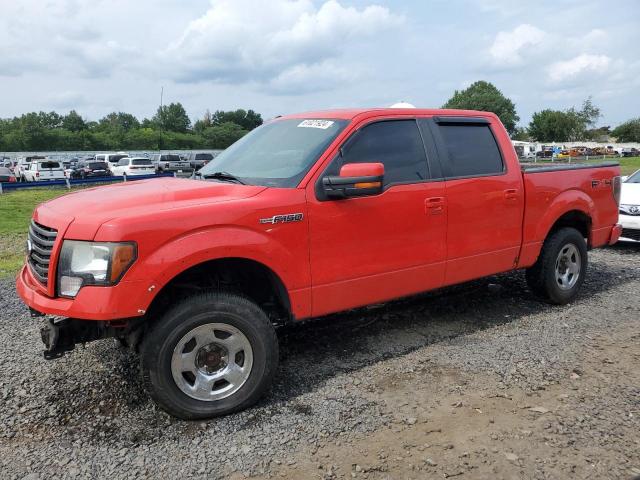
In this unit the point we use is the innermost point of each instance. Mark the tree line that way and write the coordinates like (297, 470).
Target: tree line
(547, 125)
(170, 128)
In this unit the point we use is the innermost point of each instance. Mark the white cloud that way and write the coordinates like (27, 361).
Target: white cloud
(67, 99)
(318, 77)
(507, 47)
(571, 69)
(277, 43)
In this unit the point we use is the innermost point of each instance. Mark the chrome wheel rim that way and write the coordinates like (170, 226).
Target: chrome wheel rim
(568, 265)
(212, 361)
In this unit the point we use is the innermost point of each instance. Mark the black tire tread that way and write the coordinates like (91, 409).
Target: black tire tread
(538, 276)
(153, 339)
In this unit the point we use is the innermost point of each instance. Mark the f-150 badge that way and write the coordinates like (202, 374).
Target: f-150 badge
(286, 218)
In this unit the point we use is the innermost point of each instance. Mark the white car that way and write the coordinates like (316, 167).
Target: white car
(112, 159)
(630, 208)
(44, 170)
(131, 166)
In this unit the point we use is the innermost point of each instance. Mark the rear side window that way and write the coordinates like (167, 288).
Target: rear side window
(396, 144)
(472, 150)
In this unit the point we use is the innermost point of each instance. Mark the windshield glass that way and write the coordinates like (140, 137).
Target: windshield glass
(49, 165)
(635, 178)
(97, 165)
(140, 161)
(277, 154)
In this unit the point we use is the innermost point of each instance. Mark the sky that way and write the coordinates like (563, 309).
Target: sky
(285, 56)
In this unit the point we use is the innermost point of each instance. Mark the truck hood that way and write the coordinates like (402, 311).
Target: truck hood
(630, 194)
(88, 209)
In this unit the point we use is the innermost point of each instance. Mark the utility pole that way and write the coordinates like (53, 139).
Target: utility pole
(161, 115)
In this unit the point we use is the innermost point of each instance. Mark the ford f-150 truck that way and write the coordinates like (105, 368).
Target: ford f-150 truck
(307, 215)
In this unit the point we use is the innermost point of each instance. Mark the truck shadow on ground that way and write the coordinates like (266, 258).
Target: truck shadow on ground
(314, 351)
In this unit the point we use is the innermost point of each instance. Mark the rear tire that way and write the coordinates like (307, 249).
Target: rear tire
(203, 342)
(557, 275)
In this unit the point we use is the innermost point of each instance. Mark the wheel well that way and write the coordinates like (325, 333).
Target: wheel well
(576, 219)
(239, 275)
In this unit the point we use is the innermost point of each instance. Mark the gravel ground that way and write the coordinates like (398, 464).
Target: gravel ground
(350, 382)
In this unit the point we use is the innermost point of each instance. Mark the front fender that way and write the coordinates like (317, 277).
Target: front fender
(213, 243)
(222, 241)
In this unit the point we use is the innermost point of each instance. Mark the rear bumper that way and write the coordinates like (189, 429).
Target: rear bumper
(615, 233)
(91, 303)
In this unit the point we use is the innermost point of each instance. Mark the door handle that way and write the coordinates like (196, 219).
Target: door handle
(511, 195)
(434, 205)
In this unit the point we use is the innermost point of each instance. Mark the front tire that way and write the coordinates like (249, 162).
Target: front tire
(210, 355)
(557, 275)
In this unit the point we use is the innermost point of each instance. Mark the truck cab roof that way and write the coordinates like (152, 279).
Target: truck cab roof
(351, 113)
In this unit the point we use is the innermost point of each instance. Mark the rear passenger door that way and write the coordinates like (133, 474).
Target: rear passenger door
(379, 247)
(484, 198)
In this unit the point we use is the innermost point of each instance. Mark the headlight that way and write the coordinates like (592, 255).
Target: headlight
(92, 263)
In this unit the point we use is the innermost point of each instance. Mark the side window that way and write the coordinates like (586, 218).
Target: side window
(123, 162)
(396, 143)
(472, 150)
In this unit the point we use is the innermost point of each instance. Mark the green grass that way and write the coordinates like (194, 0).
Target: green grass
(16, 209)
(629, 165)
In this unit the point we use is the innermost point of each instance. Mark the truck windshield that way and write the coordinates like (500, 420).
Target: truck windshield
(277, 154)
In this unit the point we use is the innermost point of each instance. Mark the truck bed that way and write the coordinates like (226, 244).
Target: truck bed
(550, 190)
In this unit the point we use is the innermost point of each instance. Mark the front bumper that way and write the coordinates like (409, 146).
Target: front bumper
(123, 300)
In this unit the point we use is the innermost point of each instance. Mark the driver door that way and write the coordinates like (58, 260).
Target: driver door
(375, 248)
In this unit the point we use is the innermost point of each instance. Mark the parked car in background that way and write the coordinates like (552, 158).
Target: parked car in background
(630, 152)
(129, 167)
(11, 165)
(44, 170)
(170, 162)
(199, 160)
(23, 165)
(91, 169)
(6, 175)
(112, 159)
(630, 208)
(544, 154)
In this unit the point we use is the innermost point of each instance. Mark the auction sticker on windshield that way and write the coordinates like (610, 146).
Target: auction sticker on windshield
(323, 124)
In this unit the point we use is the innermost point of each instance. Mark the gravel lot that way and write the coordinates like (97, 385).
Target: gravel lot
(477, 381)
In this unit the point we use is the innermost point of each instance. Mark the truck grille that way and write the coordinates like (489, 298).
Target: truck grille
(631, 233)
(41, 239)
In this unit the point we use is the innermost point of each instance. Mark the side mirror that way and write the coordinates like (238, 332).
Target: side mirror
(355, 180)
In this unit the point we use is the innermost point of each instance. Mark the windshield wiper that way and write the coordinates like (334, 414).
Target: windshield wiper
(224, 176)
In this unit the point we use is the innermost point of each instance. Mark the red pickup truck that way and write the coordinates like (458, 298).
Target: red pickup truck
(307, 215)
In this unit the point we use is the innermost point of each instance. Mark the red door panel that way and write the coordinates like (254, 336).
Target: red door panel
(371, 249)
(484, 226)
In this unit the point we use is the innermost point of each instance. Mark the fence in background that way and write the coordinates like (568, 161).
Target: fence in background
(7, 187)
